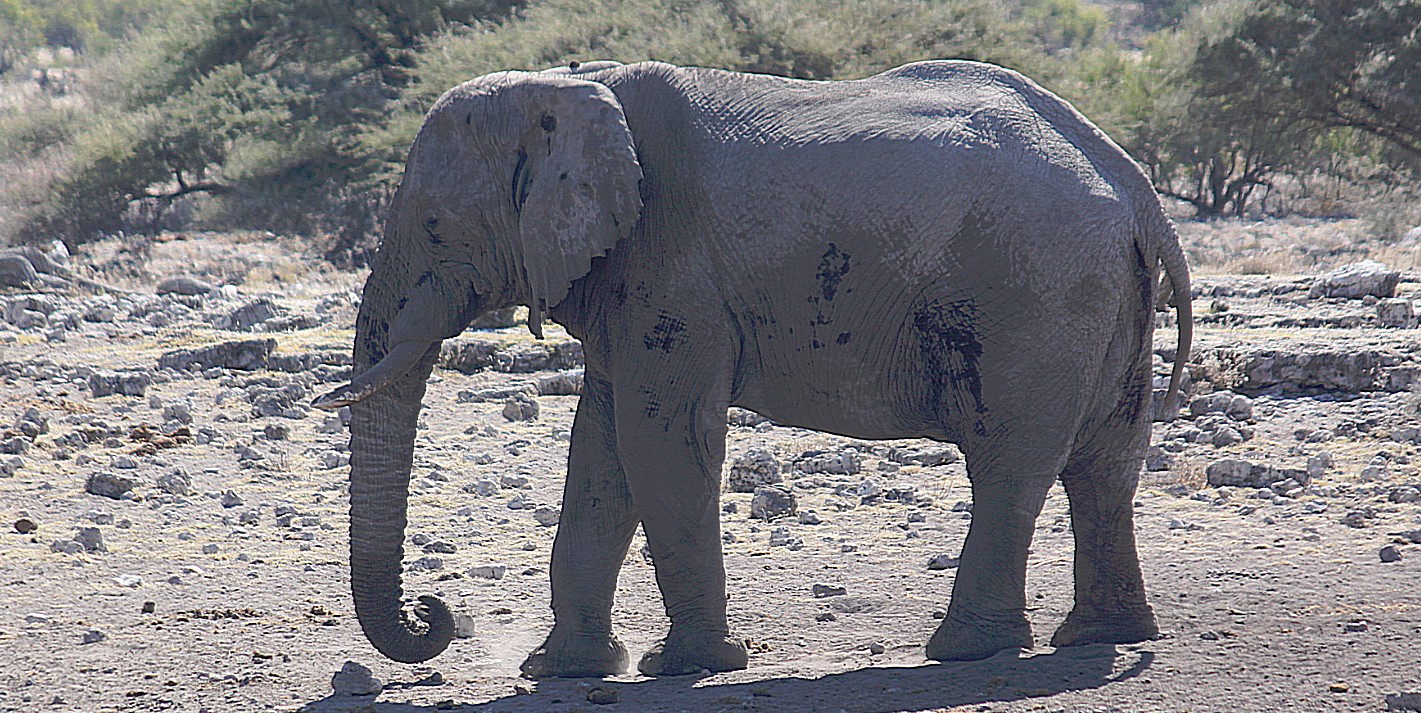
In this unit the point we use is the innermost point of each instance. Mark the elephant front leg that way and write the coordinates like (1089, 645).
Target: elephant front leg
(596, 528)
(673, 465)
(987, 613)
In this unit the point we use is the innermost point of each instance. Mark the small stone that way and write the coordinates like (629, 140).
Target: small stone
(1355, 626)
(129, 581)
(547, 516)
(175, 483)
(927, 457)
(876, 648)
(184, 285)
(277, 431)
(355, 680)
(149, 607)
(488, 571)
(602, 695)
(332, 459)
(782, 537)
(771, 502)
(210, 548)
(1357, 280)
(440, 547)
(825, 616)
(90, 539)
(1338, 687)
(809, 517)
(1405, 701)
(520, 407)
(939, 562)
(463, 626)
(757, 467)
(843, 462)
(824, 590)
(93, 636)
(230, 499)
(109, 485)
(25, 526)
(1390, 553)
(1396, 312)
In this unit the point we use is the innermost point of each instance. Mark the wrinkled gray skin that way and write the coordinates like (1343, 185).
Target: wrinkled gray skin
(943, 251)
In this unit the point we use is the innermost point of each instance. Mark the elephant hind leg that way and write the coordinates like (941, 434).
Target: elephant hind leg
(1100, 480)
(987, 613)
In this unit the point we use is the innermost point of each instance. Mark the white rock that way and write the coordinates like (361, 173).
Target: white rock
(355, 680)
(1357, 280)
(943, 561)
(547, 516)
(756, 467)
(463, 626)
(488, 571)
(1397, 312)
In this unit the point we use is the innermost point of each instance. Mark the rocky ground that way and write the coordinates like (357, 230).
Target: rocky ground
(174, 532)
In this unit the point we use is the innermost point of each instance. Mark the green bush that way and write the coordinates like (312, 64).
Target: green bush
(294, 115)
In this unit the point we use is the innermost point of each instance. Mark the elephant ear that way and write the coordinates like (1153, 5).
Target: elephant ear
(575, 185)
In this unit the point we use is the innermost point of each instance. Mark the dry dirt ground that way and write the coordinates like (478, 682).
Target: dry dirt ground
(218, 582)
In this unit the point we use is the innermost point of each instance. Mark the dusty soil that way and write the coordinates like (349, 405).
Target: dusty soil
(220, 583)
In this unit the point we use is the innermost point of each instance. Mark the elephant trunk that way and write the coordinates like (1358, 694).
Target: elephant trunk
(385, 400)
(382, 431)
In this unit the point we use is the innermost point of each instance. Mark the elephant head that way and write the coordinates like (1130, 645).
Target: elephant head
(515, 182)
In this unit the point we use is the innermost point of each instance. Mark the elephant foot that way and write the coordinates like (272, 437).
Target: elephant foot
(1122, 627)
(955, 640)
(681, 655)
(577, 656)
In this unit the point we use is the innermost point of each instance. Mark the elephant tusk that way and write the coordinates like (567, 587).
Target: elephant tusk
(395, 365)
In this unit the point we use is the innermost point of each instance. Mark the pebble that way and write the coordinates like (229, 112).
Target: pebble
(1355, 626)
(756, 467)
(547, 516)
(876, 648)
(25, 526)
(487, 571)
(230, 499)
(463, 626)
(93, 636)
(109, 485)
(771, 502)
(129, 581)
(355, 680)
(520, 407)
(1404, 701)
(939, 562)
(843, 462)
(602, 695)
(809, 517)
(824, 590)
(1390, 553)
(175, 483)
(782, 537)
(210, 548)
(91, 539)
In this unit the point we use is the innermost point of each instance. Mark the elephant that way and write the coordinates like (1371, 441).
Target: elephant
(945, 250)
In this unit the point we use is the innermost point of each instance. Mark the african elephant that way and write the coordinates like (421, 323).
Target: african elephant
(944, 250)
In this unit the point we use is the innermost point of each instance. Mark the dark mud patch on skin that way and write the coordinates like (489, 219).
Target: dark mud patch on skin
(667, 333)
(948, 337)
(833, 266)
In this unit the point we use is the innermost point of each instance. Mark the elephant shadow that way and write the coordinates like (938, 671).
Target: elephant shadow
(1002, 678)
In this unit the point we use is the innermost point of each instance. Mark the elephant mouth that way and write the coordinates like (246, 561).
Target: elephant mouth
(403, 357)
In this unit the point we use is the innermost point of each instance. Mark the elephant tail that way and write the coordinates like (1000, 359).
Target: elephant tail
(1175, 284)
